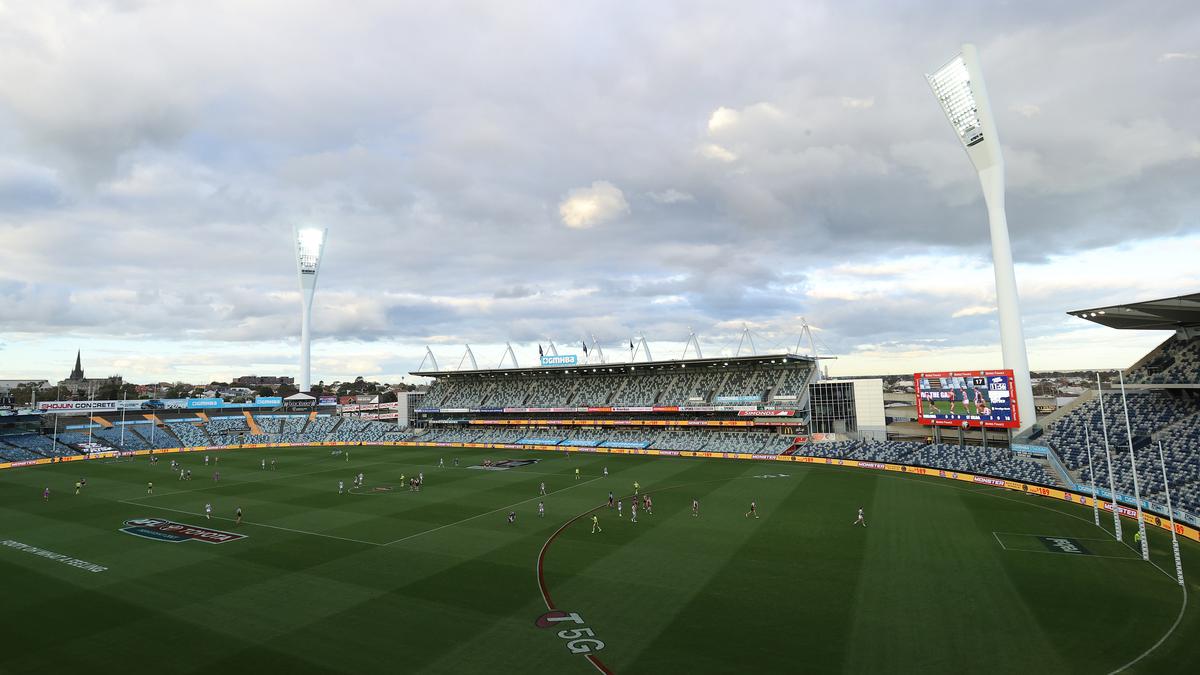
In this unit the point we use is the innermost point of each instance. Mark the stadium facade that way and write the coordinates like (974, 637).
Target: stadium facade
(757, 404)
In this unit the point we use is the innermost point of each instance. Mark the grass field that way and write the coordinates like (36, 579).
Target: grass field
(947, 578)
(943, 407)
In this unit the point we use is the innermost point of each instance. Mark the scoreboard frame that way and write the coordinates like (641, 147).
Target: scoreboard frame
(1015, 423)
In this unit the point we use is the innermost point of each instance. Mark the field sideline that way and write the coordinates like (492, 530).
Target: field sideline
(948, 577)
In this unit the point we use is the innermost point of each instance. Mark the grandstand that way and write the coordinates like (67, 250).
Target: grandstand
(1163, 399)
(746, 379)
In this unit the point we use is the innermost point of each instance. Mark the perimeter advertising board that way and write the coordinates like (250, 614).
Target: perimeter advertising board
(969, 398)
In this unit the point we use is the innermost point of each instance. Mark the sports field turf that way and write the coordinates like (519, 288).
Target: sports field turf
(944, 407)
(947, 578)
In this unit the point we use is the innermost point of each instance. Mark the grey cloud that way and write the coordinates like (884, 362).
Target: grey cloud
(176, 170)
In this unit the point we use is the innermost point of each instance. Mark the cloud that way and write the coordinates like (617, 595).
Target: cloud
(671, 196)
(1025, 109)
(1178, 56)
(148, 183)
(858, 103)
(974, 310)
(721, 118)
(714, 151)
(600, 203)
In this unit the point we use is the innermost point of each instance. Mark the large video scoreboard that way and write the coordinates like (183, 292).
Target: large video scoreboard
(970, 398)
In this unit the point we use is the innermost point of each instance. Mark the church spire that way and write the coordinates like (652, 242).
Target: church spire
(77, 374)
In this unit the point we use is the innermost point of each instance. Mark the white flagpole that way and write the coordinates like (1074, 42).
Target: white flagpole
(54, 441)
(89, 419)
(125, 396)
(1112, 490)
(1171, 516)
(1087, 437)
(1137, 491)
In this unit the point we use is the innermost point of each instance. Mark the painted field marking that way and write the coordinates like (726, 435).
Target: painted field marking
(246, 522)
(1035, 549)
(998, 540)
(1028, 534)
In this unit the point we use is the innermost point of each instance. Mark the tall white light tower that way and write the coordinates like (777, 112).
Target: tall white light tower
(310, 242)
(959, 87)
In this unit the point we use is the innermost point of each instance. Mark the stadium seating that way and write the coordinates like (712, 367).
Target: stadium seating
(22, 447)
(80, 440)
(744, 384)
(25, 447)
(1154, 415)
(1177, 361)
(996, 462)
(126, 441)
(624, 388)
(223, 426)
(596, 390)
(321, 427)
(189, 433)
(157, 436)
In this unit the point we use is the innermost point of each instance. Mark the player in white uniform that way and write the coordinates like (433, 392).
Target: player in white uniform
(619, 508)
(341, 487)
(542, 488)
(633, 511)
(441, 462)
(861, 518)
(208, 511)
(206, 460)
(541, 510)
(264, 463)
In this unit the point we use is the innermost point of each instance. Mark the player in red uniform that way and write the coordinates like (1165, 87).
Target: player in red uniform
(981, 404)
(964, 398)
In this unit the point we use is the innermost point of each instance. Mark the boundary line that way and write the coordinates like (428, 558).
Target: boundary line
(539, 563)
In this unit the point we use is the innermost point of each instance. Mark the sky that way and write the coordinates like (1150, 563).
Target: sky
(533, 171)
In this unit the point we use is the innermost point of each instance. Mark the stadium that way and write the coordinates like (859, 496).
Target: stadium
(1011, 526)
(736, 512)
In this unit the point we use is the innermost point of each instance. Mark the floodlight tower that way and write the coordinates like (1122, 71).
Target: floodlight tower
(310, 242)
(959, 87)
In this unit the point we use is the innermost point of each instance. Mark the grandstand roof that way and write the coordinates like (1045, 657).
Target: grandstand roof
(637, 366)
(1181, 311)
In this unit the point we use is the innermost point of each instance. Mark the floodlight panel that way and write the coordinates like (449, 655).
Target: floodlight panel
(309, 242)
(952, 86)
